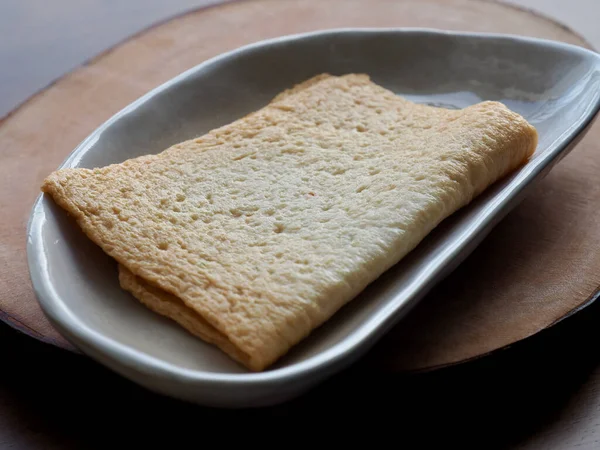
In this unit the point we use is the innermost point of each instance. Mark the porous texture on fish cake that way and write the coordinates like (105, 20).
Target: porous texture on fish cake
(265, 227)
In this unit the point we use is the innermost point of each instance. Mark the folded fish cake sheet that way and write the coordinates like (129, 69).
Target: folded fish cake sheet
(256, 233)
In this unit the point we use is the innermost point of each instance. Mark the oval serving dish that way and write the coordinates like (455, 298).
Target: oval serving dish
(554, 86)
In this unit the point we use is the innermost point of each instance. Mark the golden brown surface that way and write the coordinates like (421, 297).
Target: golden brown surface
(267, 226)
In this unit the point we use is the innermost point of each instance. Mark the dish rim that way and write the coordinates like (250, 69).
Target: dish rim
(77, 332)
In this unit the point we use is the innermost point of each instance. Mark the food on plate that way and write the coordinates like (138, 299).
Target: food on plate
(256, 233)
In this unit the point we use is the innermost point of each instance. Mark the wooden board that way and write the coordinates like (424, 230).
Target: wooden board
(540, 264)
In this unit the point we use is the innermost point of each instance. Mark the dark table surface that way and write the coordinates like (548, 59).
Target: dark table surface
(543, 393)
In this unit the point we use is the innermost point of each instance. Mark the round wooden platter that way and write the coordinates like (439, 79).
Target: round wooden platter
(538, 266)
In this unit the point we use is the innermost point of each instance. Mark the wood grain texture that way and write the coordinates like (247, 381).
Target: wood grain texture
(485, 305)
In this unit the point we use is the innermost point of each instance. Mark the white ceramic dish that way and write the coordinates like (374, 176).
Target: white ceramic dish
(555, 86)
